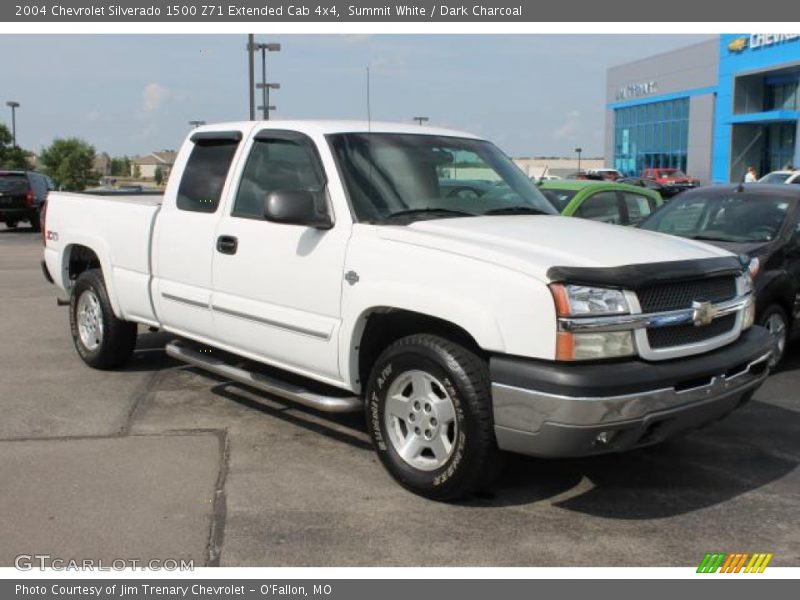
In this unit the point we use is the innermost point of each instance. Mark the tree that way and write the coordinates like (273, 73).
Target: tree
(11, 157)
(70, 163)
(158, 175)
(137, 172)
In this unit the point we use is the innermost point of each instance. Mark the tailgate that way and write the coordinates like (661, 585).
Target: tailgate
(13, 190)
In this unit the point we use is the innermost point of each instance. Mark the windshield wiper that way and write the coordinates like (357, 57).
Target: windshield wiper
(710, 238)
(444, 212)
(516, 210)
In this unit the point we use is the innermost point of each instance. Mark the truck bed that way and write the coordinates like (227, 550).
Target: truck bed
(120, 229)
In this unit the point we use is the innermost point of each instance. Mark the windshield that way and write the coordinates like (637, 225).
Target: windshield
(559, 198)
(731, 217)
(391, 175)
(671, 173)
(13, 184)
(774, 178)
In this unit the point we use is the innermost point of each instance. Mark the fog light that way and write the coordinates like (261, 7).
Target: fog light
(604, 438)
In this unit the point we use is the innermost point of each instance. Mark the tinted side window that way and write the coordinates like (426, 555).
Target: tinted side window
(275, 164)
(205, 174)
(602, 206)
(639, 206)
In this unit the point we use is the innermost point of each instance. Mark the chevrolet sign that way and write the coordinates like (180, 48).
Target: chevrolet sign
(760, 40)
(637, 90)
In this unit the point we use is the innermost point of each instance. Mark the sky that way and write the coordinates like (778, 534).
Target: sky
(533, 95)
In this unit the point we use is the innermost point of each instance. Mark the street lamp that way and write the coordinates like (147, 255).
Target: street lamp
(420, 120)
(14, 106)
(579, 150)
(264, 86)
(196, 124)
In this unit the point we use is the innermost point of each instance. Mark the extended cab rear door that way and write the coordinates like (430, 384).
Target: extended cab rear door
(184, 237)
(277, 286)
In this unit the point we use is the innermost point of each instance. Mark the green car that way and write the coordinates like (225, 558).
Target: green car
(601, 200)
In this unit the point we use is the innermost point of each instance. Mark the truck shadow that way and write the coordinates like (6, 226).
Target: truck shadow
(753, 447)
(749, 449)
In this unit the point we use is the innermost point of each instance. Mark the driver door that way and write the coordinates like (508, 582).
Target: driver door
(277, 287)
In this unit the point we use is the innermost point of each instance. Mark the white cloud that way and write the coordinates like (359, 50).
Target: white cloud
(153, 96)
(568, 130)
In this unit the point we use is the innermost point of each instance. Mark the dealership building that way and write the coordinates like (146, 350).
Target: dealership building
(711, 109)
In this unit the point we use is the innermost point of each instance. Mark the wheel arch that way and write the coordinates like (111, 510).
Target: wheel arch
(79, 256)
(378, 327)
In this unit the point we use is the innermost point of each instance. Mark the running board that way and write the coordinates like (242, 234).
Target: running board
(271, 385)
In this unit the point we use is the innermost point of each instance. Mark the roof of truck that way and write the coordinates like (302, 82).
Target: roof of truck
(326, 127)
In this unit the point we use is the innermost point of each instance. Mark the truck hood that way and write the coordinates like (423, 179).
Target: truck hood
(534, 244)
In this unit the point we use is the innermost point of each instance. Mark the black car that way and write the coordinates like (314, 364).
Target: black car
(666, 191)
(758, 220)
(22, 194)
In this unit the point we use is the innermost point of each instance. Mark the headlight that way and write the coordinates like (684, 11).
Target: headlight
(586, 301)
(588, 346)
(581, 300)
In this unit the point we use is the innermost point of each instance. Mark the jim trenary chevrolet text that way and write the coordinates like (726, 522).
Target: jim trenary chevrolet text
(327, 263)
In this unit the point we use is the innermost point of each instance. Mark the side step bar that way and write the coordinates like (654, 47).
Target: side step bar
(271, 385)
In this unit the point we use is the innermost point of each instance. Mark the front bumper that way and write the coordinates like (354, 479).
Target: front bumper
(544, 408)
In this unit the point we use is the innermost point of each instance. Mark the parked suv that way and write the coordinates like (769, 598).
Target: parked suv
(22, 194)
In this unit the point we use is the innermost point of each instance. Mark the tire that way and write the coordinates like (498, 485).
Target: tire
(36, 225)
(775, 321)
(11, 224)
(102, 340)
(439, 388)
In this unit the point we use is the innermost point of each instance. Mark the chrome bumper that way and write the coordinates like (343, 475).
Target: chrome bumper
(539, 423)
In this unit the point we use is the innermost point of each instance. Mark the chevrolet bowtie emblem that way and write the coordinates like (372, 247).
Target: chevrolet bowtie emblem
(737, 45)
(703, 313)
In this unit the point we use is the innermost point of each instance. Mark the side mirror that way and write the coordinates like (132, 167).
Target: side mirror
(297, 207)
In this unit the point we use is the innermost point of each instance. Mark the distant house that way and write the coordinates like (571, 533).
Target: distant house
(102, 164)
(149, 163)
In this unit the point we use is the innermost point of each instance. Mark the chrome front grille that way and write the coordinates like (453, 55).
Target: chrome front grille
(675, 295)
(681, 335)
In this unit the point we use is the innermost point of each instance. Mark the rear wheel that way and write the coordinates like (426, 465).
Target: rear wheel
(430, 419)
(102, 340)
(774, 320)
(11, 224)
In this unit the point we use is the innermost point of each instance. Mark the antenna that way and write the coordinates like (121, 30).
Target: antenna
(369, 107)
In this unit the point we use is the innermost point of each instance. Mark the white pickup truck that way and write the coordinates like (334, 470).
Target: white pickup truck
(417, 274)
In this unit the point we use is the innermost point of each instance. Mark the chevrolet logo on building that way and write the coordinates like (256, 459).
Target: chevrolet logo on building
(703, 313)
(738, 44)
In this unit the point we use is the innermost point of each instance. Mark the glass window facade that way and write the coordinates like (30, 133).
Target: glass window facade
(782, 94)
(653, 135)
(779, 146)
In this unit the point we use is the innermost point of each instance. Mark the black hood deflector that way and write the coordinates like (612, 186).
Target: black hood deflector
(636, 276)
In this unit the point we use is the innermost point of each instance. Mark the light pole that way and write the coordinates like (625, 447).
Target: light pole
(264, 86)
(196, 124)
(579, 150)
(14, 106)
(251, 74)
(420, 120)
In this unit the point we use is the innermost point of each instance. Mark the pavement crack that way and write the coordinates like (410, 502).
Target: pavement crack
(216, 535)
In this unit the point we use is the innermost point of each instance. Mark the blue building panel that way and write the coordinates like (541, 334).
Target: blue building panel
(741, 54)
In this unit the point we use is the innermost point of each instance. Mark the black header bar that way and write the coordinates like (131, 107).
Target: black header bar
(327, 11)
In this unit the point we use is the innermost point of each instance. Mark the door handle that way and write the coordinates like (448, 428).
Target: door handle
(227, 244)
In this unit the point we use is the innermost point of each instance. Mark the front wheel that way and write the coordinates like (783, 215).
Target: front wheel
(11, 224)
(775, 321)
(102, 340)
(430, 418)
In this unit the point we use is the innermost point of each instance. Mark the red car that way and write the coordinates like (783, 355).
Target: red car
(674, 178)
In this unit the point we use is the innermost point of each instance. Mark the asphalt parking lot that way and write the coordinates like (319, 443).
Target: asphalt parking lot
(161, 460)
